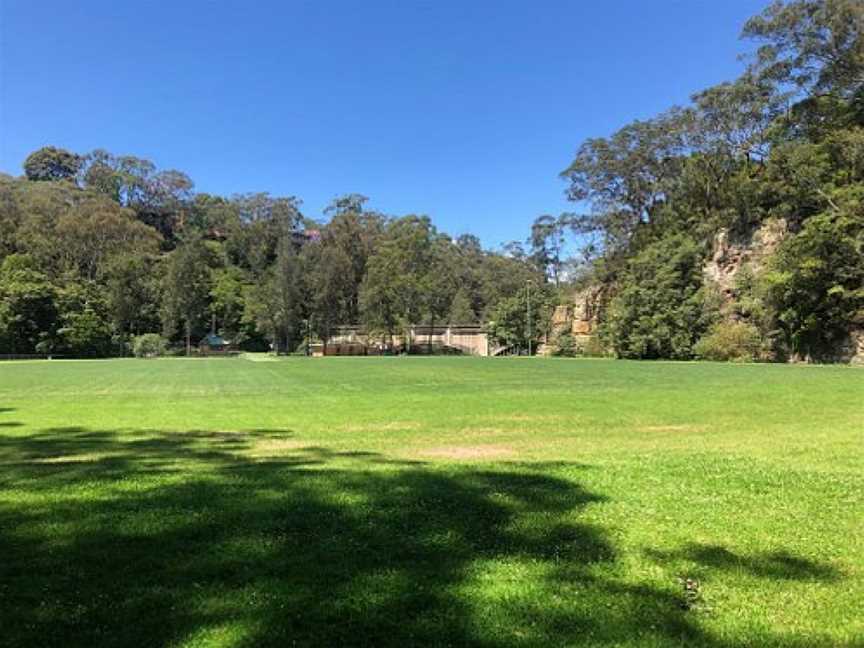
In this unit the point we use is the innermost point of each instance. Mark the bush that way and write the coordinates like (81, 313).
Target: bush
(564, 346)
(593, 347)
(730, 341)
(149, 345)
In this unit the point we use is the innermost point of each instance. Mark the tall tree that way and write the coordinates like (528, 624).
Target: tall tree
(331, 287)
(132, 294)
(815, 45)
(626, 178)
(439, 281)
(28, 309)
(276, 304)
(186, 290)
(52, 163)
(547, 241)
(394, 289)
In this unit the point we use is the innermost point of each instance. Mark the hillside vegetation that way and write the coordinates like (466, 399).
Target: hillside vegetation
(781, 148)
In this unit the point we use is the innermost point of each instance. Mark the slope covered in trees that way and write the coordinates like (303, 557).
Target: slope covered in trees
(780, 148)
(96, 249)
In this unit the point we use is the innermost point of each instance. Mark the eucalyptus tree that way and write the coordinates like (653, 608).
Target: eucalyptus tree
(50, 163)
(186, 288)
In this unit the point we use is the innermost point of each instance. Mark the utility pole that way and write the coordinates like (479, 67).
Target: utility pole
(528, 312)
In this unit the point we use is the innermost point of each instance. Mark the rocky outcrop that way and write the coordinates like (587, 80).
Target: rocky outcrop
(577, 318)
(732, 253)
(858, 342)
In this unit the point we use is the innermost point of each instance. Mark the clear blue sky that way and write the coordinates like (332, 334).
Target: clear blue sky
(465, 111)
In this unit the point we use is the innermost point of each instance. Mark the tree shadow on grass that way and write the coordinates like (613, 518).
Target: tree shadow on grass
(777, 565)
(156, 538)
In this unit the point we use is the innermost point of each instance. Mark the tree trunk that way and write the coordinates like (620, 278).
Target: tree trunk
(188, 339)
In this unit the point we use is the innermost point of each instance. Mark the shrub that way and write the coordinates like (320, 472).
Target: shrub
(593, 347)
(564, 346)
(149, 345)
(735, 341)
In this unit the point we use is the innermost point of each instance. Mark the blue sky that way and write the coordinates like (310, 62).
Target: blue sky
(465, 111)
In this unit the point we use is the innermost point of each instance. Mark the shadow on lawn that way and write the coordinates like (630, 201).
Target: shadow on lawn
(153, 538)
(777, 565)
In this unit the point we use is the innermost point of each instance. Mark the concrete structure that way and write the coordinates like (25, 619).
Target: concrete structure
(458, 340)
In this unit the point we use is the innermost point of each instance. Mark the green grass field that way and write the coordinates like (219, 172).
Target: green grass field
(425, 501)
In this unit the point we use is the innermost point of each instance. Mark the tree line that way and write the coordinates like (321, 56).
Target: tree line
(96, 249)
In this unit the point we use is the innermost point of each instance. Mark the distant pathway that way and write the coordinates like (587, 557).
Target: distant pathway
(260, 357)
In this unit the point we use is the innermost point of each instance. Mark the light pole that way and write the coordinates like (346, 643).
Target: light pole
(528, 312)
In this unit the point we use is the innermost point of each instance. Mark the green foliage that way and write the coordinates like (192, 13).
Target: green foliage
(461, 311)
(52, 163)
(227, 294)
(817, 45)
(508, 322)
(627, 175)
(660, 309)
(407, 278)
(593, 347)
(730, 341)
(131, 289)
(151, 252)
(186, 288)
(28, 308)
(564, 346)
(274, 305)
(84, 324)
(816, 283)
(149, 345)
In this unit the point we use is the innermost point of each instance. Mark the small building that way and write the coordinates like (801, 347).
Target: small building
(213, 343)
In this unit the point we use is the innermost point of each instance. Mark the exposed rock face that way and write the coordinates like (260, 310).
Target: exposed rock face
(732, 253)
(585, 311)
(578, 318)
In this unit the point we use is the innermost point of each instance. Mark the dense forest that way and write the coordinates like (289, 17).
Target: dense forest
(97, 248)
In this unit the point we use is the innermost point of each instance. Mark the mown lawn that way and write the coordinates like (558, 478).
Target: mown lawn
(421, 501)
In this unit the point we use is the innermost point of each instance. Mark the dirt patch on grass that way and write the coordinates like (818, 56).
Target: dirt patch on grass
(670, 428)
(383, 426)
(274, 446)
(468, 452)
(88, 457)
(530, 418)
(483, 431)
